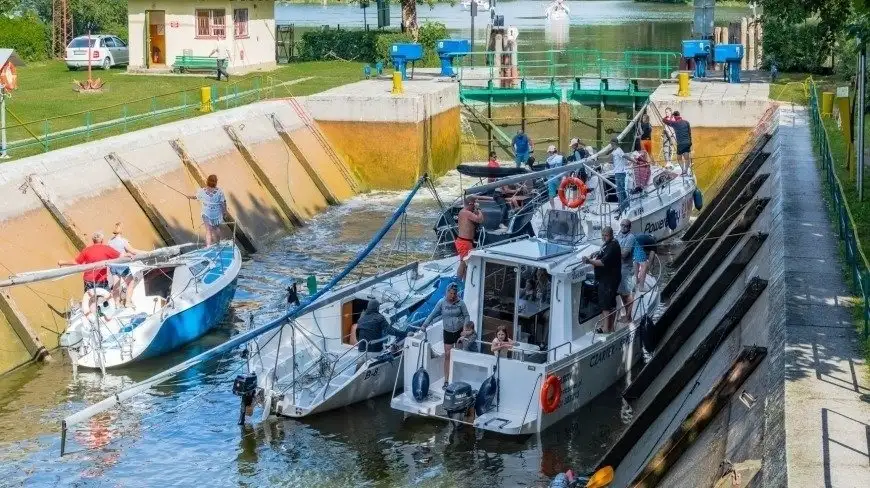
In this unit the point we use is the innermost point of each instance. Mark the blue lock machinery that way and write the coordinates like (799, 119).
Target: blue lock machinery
(448, 50)
(732, 56)
(404, 53)
(698, 50)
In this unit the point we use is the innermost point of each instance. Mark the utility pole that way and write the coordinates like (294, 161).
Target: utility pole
(473, 9)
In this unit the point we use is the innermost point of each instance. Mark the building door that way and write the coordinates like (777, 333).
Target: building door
(155, 38)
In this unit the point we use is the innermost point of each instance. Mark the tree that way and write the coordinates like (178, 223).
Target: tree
(409, 18)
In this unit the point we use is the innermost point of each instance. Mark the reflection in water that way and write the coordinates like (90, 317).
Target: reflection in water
(556, 32)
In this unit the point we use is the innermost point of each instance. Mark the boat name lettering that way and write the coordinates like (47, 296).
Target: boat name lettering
(570, 388)
(371, 373)
(654, 226)
(608, 351)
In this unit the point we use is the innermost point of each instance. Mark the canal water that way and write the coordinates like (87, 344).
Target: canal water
(184, 432)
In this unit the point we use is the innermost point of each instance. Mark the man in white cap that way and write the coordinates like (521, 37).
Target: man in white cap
(554, 160)
(96, 252)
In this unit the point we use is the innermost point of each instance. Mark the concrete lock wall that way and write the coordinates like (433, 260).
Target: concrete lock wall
(273, 162)
(391, 140)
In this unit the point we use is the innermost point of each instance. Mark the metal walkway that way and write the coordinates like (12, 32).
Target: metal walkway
(585, 76)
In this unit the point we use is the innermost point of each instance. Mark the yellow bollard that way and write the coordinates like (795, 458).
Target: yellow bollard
(205, 99)
(683, 79)
(827, 104)
(397, 83)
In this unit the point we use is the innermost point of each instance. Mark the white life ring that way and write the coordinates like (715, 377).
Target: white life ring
(100, 295)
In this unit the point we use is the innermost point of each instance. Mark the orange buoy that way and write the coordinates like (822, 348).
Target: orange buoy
(551, 394)
(581, 193)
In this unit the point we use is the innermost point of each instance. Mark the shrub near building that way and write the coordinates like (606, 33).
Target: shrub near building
(367, 46)
(27, 35)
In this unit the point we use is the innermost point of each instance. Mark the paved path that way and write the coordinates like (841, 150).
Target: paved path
(827, 382)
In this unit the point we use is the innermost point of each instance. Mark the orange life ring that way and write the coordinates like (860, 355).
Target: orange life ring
(582, 192)
(551, 394)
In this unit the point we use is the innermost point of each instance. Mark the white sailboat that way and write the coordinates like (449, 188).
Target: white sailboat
(481, 4)
(558, 10)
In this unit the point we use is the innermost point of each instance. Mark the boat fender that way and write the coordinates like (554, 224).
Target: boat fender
(698, 199)
(582, 191)
(551, 394)
(486, 396)
(649, 335)
(420, 384)
(672, 219)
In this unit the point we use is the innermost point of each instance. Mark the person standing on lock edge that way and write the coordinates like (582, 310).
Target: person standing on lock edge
(523, 147)
(683, 134)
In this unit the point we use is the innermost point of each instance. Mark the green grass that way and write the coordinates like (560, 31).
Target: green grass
(860, 211)
(45, 101)
(793, 87)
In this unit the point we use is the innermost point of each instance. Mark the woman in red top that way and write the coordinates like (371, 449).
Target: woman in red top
(641, 169)
(493, 163)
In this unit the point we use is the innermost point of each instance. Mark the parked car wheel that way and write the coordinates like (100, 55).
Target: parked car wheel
(107, 63)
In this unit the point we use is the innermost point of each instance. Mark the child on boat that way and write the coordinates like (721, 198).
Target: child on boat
(501, 344)
(467, 338)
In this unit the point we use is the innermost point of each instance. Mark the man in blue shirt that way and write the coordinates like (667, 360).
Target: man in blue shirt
(522, 147)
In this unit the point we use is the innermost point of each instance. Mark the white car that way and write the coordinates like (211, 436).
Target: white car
(105, 51)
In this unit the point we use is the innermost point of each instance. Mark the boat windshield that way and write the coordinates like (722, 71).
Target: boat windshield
(518, 299)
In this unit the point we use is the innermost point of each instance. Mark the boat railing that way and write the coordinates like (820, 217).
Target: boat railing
(555, 349)
(332, 373)
(531, 397)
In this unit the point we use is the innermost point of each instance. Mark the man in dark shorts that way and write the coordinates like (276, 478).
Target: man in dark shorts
(644, 252)
(608, 272)
(683, 134)
(96, 252)
(454, 316)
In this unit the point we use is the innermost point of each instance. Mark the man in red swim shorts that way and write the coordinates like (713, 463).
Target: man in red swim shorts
(469, 218)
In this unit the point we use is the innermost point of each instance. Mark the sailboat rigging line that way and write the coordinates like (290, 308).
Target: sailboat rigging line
(475, 190)
(304, 307)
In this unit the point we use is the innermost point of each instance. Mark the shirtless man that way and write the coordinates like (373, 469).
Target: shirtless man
(469, 218)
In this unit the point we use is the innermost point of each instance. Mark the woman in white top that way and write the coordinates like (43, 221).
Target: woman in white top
(214, 206)
(121, 271)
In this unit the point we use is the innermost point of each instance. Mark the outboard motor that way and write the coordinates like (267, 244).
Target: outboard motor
(458, 398)
(245, 386)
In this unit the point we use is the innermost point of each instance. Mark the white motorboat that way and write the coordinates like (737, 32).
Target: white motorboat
(312, 364)
(559, 360)
(481, 4)
(170, 302)
(558, 10)
(662, 208)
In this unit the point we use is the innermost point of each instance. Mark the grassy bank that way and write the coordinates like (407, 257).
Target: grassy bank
(860, 212)
(45, 101)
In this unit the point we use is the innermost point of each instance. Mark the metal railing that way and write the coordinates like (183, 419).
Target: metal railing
(856, 261)
(27, 138)
(579, 63)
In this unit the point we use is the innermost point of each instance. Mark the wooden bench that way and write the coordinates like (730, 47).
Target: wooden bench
(187, 63)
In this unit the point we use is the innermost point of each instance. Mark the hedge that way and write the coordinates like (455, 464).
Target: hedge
(800, 47)
(27, 35)
(367, 46)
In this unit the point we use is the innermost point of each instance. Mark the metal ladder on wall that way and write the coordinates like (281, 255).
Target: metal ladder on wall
(306, 119)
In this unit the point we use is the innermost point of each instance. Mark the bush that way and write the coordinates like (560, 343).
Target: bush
(27, 35)
(326, 44)
(368, 46)
(802, 47)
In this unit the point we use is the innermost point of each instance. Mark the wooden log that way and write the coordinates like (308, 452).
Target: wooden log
(242, 236)
(21, 326)
(693, 319)
(703, 414)
(290, 217)
(729, 191)
(683, 376)
(693, 255)
(157, 220)
(303, 160)
(66, 224)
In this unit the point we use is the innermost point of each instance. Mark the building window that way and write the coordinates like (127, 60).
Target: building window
(240, 22)
(211, 23)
